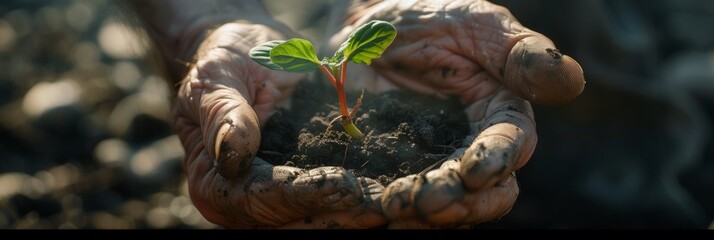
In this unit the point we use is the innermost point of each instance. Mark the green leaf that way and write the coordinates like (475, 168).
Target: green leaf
(366, 43)
(295, 55)
(261, 54)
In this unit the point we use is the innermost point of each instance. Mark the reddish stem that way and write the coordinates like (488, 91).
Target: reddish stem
(346, 117)
(341, 91)
(339, 86)
(343, 73)
(329, 75)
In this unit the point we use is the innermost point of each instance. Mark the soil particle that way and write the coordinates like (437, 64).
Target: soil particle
(554, 53)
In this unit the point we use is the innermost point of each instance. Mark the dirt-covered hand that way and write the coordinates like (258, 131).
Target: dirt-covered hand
(479, 52)
(220, 107)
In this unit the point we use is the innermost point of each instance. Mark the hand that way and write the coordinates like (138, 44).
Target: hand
(222, 101)
(220, 107)
(479, 52)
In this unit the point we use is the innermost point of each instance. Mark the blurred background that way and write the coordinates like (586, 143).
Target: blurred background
(85, 140)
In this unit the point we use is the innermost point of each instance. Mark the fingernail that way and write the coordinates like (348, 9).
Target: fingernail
(229, 160)
(220, 135)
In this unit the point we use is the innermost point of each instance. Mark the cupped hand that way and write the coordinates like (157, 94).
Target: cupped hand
(220, 107)
(479, 52)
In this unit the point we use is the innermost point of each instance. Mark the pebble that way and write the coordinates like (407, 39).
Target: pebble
(7, 36)
(79, 15)
(46, 96)
(118, 41)
(93, 120)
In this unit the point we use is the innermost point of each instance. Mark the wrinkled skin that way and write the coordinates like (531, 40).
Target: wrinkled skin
(220, 107)
(444, 48)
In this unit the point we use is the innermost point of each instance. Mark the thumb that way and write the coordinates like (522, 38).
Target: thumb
(534, 68)
(528, 62)
(228, 96)
(217, 99)
(537, 71)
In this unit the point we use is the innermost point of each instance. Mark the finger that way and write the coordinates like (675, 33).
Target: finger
(526, 61)
(539, 72)
(419, 196)
(230, 128)
(398, 199)
(270, 196)
(474, 207)
(221, 94)
(491, 204)
(506, 138)
(366, 215)
(439, 201)
(339, 189)
(437, 41)
(199, 158)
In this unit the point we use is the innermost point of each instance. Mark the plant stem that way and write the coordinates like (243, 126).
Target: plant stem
(341, 92)
(340, 89)
(352, 130)
(347, 123)
(346, 116)
(329, 75)
(343, 73)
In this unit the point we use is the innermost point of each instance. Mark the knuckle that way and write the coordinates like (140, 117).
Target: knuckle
(487, 161)
(439, 189)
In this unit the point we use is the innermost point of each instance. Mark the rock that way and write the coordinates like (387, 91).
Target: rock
(119, 41)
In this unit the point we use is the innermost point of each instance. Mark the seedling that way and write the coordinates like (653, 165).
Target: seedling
(366, 43)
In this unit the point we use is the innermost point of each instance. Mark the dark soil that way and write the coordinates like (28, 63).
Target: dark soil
(404, 132)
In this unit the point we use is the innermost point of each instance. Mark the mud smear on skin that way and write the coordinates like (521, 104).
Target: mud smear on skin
(404, 132)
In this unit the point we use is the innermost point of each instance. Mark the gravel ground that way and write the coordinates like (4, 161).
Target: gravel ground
(85, 140)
